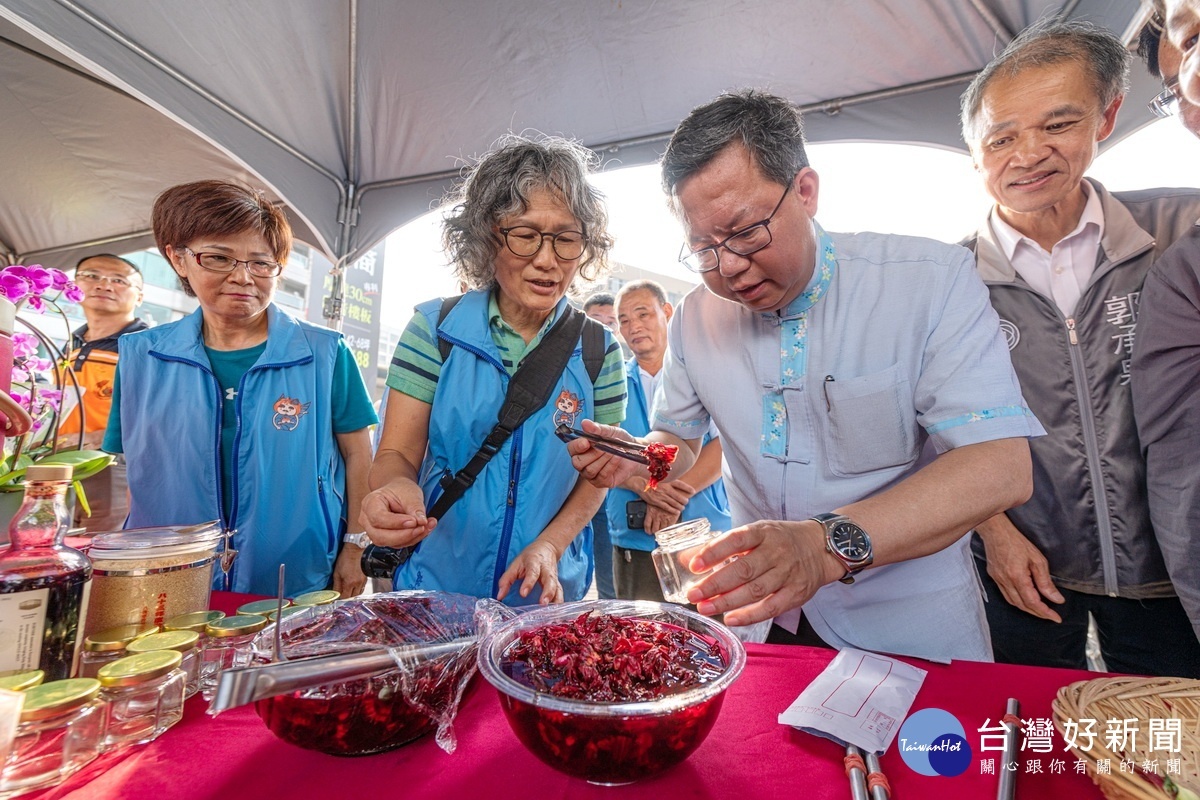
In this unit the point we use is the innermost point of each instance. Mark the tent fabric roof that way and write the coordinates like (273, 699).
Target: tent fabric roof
(261, 91)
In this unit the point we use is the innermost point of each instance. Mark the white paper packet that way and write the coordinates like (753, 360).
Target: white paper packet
(860, 699)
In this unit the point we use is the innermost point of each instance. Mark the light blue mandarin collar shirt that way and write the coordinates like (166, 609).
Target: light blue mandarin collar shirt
(893, 344)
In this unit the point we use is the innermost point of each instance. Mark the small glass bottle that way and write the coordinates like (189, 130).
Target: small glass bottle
(677, 545)
(144, 693)
(60, 731)
(184, 642)
(44, 584)
(196, 621)
(228, 647)
(105, 647)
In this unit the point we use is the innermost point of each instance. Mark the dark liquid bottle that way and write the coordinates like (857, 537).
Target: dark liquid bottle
(44, 584)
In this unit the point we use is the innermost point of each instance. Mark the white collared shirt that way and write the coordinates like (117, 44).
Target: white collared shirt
(1064, 272)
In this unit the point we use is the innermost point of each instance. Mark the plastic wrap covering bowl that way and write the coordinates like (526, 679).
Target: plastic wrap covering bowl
(611, 742)
(386, 710)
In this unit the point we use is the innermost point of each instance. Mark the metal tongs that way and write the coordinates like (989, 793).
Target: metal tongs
(632, 451)
(238, 687)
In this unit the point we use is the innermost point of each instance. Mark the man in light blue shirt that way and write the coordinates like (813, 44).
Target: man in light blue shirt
(829, 362)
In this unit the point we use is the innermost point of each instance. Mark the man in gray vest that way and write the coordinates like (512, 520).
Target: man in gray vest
(1064, 261)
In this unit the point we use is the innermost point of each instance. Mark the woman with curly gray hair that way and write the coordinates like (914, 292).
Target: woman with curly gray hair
(525, 224)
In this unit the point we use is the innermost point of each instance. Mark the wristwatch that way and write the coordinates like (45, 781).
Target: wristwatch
(357, 539)
(848, 543)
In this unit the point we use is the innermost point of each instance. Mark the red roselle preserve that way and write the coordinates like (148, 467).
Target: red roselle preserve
(44, 584)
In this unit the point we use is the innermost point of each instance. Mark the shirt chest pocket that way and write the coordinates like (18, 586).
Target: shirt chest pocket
(872, 423)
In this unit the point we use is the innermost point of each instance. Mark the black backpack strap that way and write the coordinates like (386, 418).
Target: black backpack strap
(593, 348)
(444, 345)
(528, 390)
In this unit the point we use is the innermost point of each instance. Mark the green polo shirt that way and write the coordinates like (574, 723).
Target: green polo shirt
(417, 363)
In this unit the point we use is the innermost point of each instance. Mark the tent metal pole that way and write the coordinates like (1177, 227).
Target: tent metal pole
(195, 87)
(89, 243)
(87, 76)
(831, 107)
(331, 308)
(999, 28)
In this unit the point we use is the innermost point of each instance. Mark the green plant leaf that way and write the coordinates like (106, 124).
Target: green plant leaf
(85, 464)
(81, 498)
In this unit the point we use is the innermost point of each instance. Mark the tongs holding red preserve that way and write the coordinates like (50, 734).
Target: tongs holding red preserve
(657, 456)
(617, 447)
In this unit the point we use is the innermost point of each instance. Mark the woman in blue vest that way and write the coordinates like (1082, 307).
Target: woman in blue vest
(240, 412)
(525, 224)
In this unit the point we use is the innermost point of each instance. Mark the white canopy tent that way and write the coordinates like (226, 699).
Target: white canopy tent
(357, 113)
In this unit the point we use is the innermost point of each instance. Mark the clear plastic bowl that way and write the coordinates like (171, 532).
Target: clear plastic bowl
(611, 743)
(384, 711)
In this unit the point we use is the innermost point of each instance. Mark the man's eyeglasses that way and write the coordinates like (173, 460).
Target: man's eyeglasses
(1166, 103)
(525, 242)
(744, 242)
(219, 262)
(96, 277)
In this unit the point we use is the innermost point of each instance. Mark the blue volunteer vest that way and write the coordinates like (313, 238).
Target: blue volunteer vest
(289, 480)
(710, 502)
(519, 491)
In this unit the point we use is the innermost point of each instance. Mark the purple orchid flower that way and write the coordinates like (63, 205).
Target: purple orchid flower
(40, 277)
(73, 293)
(13, 285)
(35, 302)
(24, 345)
(59, 279)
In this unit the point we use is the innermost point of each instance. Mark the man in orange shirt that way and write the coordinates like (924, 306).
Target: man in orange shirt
(112, 289)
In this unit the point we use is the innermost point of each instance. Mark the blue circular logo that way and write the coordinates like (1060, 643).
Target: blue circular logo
(933, 742)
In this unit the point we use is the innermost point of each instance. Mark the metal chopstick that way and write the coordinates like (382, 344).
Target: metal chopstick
(858, 778)
(877, 792)
(1007, 789)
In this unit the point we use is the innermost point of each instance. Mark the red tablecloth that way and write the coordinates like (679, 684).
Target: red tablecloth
(748, 755)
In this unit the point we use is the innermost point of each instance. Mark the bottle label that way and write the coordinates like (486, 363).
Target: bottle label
(83, 612)
(22, 628)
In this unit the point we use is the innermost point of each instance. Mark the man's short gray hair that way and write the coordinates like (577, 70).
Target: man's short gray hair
(499, 186)
(768, 126)
(653, 287)
(1048, 42)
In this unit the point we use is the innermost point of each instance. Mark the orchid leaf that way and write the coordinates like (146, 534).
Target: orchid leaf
(81, 498)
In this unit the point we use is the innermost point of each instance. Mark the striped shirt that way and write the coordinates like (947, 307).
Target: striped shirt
(417, 363)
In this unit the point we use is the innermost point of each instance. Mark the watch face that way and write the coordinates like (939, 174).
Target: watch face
(850, 540)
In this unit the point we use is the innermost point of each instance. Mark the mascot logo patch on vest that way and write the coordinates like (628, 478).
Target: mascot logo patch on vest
(288, 411)
(1012, 334)
(567, 407)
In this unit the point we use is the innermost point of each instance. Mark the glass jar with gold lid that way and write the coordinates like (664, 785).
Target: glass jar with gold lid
(60, 731)
(19, 681)
(322, 597)
(186, 642)
(195, 621)
(229, 646)
(261, 607)
(104, 647)
(144, 693)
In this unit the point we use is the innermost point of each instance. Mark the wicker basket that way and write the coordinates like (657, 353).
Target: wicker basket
(1142, 699)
